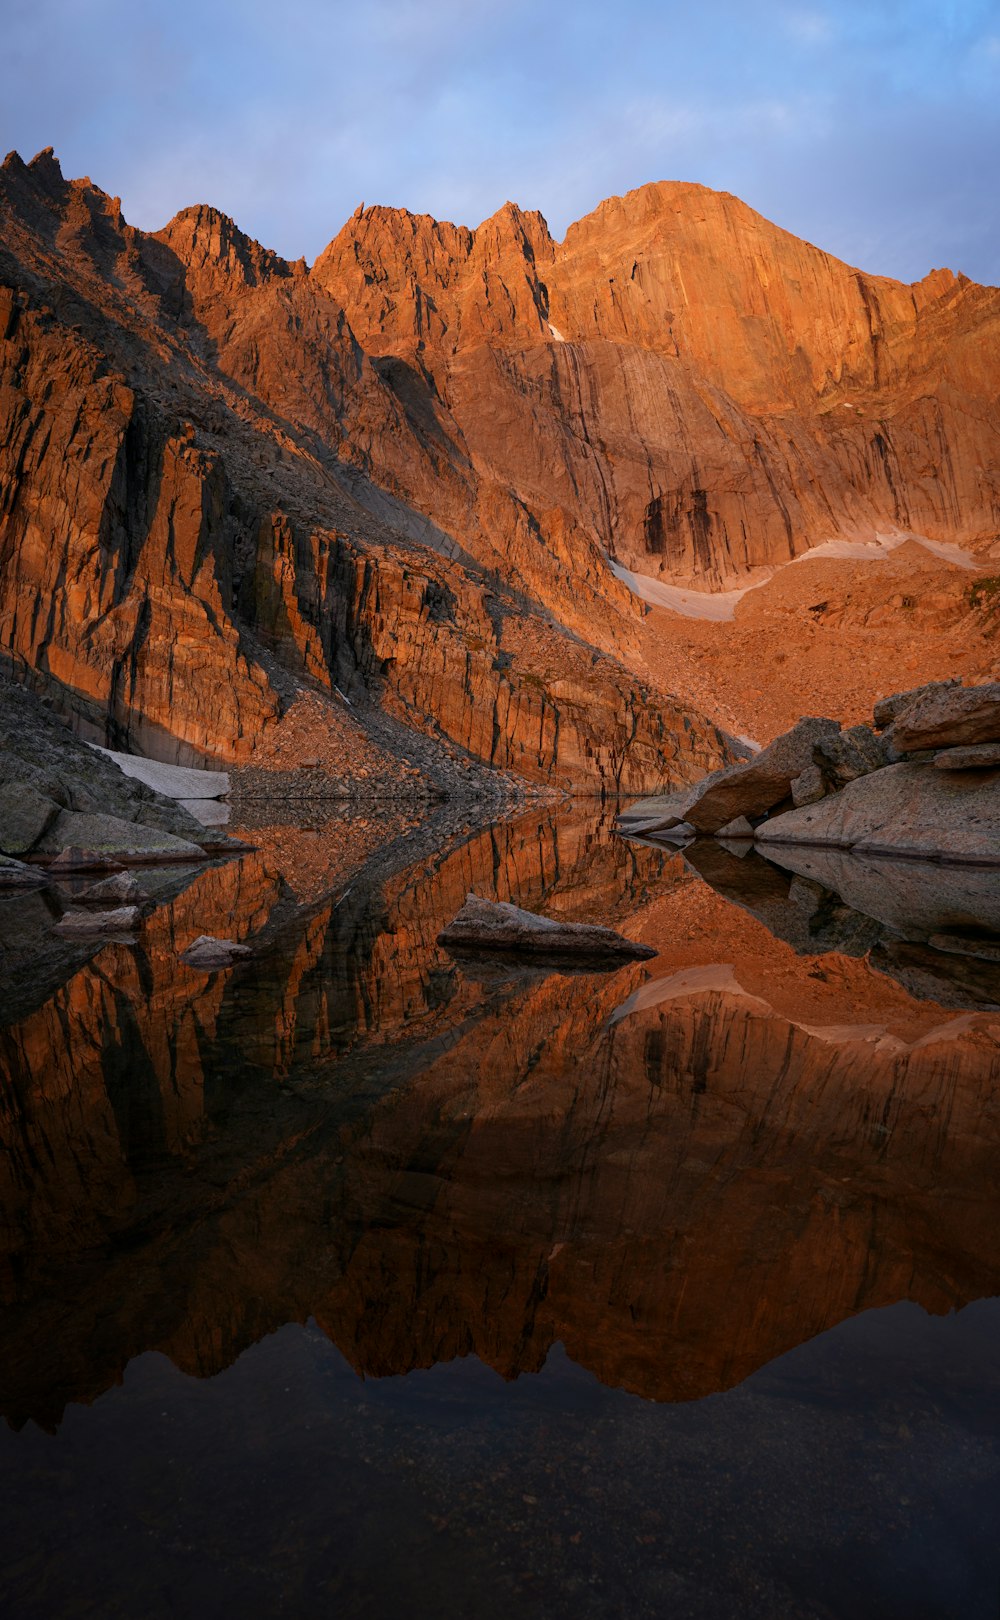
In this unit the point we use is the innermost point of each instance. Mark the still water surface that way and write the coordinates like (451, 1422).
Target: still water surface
(363, 1279)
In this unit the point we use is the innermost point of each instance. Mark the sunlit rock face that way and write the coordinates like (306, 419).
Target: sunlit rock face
(680, 378)
(207, 493)
(403, 471)
(678, 1170)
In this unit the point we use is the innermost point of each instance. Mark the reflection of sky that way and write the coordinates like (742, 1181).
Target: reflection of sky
(869, 126)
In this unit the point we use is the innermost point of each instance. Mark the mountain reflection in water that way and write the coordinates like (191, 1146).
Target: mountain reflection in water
(678, 1171)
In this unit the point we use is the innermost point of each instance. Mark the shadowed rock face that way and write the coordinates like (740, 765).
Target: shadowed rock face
(674, 1175)
(204, 501)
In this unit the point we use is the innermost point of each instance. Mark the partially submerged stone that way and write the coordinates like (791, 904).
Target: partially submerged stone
(498, 926)
(74, 859)
(676, 836)
(951, 718)
(977, 757)
(905, 809)
(119, 920)
(208, 952)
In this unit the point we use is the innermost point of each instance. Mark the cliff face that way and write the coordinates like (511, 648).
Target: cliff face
(696, 388)
(202, 472)
(403, 471)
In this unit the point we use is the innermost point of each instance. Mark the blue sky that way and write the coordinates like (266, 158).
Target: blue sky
(872, 128)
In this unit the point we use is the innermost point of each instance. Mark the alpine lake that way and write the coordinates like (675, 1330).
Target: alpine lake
(368, 1279)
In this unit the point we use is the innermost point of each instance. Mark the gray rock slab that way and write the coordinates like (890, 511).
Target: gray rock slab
(499, 926)
(952, 718)
(108, 836)
(25, 816)
(911, 810)
(174, 781)
(976, 757)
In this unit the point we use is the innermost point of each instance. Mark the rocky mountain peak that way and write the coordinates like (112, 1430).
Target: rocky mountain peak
(207, 240)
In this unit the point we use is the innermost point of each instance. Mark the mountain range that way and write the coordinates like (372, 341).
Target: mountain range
(436, 479)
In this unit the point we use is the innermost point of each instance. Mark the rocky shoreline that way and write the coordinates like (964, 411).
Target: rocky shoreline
(923, 782)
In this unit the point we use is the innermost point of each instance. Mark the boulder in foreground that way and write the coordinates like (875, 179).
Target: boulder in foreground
(907, 809)
(498, 926)
(751, 788)
(950, 718)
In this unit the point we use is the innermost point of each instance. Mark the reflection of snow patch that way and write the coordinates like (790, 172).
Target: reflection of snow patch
(719, 977)
(694, 981)
(556, 333)
(721, 605)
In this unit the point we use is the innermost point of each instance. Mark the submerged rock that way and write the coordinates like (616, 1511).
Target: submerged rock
(208, 952)
(74, 859)
(499, 926)
(119, 889)
(120, 920)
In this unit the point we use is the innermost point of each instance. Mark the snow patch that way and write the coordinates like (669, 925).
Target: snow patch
(721, 605)
(175, 781)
